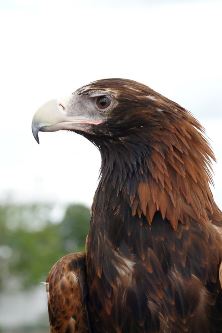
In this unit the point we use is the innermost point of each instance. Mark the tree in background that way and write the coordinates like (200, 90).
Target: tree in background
(31, 242)
(74, 228)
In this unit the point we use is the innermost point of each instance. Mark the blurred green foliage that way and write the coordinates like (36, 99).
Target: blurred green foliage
(32, 240)
(74, 227)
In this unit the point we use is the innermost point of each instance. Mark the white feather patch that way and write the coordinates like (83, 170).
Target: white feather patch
(126, 268)
(151, 97)
(75, 278)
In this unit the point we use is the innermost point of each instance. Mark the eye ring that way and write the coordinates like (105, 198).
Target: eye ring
(103, 102)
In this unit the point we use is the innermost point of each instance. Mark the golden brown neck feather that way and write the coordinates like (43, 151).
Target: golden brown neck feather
(179, 178)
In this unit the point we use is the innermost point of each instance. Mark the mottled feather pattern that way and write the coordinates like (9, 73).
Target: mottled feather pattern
(66, 295)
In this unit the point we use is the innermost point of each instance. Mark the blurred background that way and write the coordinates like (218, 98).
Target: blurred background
(50, 48)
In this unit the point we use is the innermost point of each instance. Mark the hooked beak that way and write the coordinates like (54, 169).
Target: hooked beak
(55, 116)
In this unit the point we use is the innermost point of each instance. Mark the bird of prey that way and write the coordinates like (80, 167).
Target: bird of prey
(154, 246)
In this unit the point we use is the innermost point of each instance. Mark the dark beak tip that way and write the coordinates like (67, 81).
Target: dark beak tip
(35, 132)
(36, 136)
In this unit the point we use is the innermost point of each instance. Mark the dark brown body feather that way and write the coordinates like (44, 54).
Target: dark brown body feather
(154, 247)
(153, 253)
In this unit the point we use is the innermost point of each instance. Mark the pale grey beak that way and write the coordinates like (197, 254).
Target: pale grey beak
(55, 116)
(48, 115)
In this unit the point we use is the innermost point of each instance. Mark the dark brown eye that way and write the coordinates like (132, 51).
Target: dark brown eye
(103, 102)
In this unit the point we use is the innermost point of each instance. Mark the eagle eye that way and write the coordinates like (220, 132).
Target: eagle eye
(103, 102)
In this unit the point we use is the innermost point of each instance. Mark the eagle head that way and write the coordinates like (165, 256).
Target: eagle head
(109, 109)
(151, 147)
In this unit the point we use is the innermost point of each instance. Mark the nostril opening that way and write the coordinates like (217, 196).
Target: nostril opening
(62, 106)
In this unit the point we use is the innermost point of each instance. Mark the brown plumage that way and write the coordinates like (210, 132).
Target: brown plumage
(154, 245)
(66, 289)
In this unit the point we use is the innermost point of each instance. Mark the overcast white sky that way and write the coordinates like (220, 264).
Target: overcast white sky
(50, 48)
